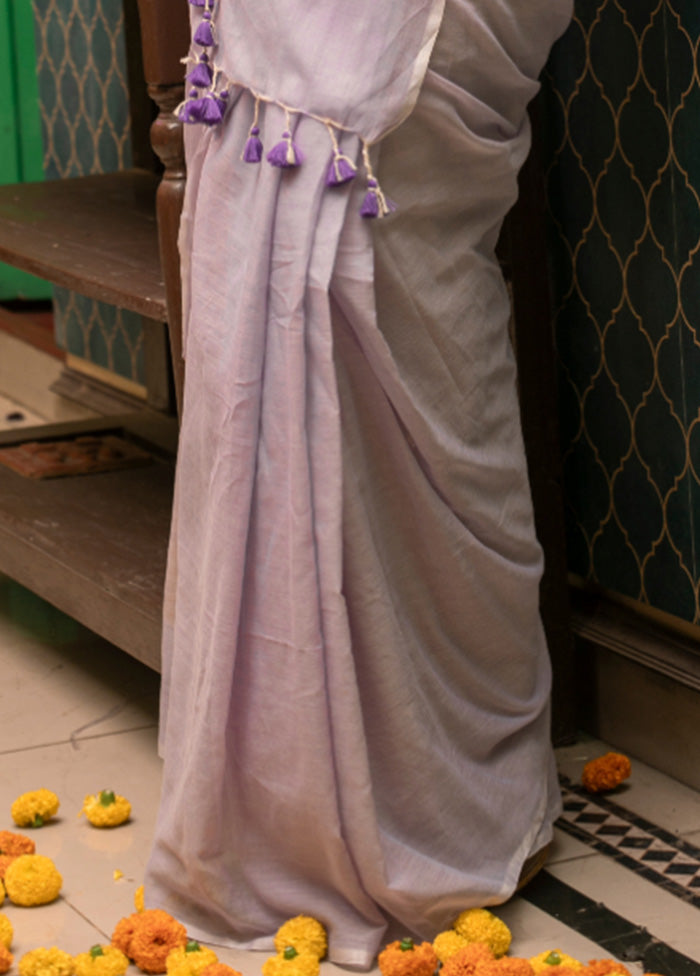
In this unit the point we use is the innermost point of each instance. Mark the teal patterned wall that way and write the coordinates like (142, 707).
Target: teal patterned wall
(622, 108)
(84, 99)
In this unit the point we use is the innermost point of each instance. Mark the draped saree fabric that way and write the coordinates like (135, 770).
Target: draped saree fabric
(355, 682)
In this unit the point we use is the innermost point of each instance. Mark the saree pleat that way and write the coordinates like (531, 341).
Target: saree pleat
(355, 719)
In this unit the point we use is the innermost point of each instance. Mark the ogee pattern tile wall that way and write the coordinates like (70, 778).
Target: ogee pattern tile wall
(84, 98)
(622, 103)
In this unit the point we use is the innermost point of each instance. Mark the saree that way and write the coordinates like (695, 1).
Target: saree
(355, 693)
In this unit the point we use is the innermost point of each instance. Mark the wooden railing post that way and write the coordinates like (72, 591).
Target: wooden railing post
(165, 41)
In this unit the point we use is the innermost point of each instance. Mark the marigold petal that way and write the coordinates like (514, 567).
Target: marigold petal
(6, 931)
(6, 959)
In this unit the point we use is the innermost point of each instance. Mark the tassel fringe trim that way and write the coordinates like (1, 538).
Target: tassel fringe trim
(207, 101)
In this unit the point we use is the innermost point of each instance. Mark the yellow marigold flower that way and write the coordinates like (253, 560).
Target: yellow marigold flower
(448, 944)
(550, 960)
(6, 959)
(292, 963)
(5, 861)
(2, 893)
(138, 899)
(106, 809)
(305, 934)
(33, 809)
(101, 960)
(189, 960)
(32, 879)
(6, 931)
(481, 925)
(606, 772)
(406, 958)
(46, 962)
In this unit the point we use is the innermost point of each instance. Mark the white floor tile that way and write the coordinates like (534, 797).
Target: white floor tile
(534, 931)
(78, 715)
(60, 681)
(647, 792)
(45, 926)
(87, 857)
(567, 848)
(665, 916)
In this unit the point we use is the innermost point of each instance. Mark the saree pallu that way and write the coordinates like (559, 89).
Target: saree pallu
(355, 719)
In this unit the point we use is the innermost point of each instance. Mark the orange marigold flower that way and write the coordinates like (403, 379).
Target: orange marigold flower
(467, 961)
(6, 959)
(606, 967)
(406, 958)
(606, 772)
(219, 969)
(16, 844)
(123, 931)
(153, 934)
(506, 966)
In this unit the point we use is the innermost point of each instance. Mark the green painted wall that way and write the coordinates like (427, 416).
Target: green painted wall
(21, 147)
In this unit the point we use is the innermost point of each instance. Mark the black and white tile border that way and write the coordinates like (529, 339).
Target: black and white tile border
(652, 852)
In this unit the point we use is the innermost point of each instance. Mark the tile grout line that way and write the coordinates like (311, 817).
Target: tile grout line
(615, 934)
(75, 741)
(632, 841)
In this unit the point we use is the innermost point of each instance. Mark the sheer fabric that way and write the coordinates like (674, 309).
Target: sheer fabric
(355, 680)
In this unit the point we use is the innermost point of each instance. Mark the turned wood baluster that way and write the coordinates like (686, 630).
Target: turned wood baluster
(164, 42)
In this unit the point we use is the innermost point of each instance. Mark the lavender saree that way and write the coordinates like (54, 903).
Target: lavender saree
(355, 682)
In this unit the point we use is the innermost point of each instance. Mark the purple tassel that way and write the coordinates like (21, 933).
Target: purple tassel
(286, 153)
(208, 109)
(204, 35)
(253, 148)
(214, 107)
(191, 111)
(375, 203)
(201, 75)
(198, 3)
(341, 170)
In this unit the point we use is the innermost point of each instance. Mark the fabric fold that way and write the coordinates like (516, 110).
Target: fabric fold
(355, 679)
